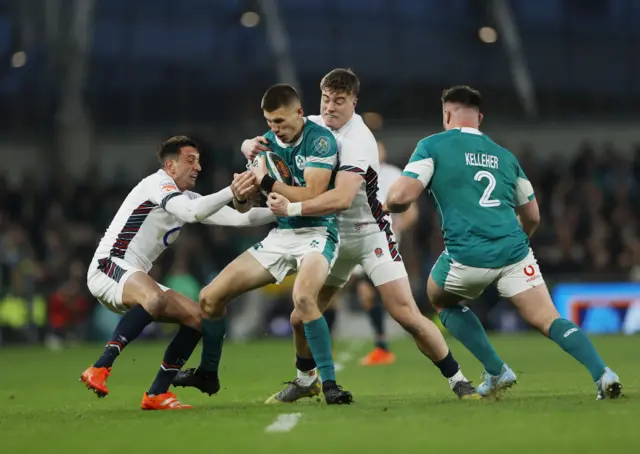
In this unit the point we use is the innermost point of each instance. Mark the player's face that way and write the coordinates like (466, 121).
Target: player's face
(186, 168)
(285, 122)
(337, 108)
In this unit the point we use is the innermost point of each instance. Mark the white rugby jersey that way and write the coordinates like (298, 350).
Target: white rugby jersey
(358, 152)
(142, 228)
(388, 175)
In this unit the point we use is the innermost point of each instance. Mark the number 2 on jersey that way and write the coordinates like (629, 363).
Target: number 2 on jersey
(486, 200)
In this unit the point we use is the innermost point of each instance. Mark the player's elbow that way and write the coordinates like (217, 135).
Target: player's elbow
(344, 202)
(398, 200)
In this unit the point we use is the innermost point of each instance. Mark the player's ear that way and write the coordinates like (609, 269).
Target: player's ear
(355, 102)
(480, 117)
(300, 112)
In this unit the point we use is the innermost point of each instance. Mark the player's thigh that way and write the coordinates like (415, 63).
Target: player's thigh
(342, 271)
(242, 275)
(311, 276)
(522, 283)
(451, 282)
(380, 258)
(140, 288)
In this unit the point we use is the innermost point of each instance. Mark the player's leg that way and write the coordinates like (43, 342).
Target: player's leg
(312, 273)
(263, 264)
(139, 297)
(450, 284)
(367, 297)
(307, 383)
(523, 284)
(176, 355)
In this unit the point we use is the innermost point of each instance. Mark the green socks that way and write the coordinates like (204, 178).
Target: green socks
(213, 332)
(574, 341)
(319, 339)
(465, 326)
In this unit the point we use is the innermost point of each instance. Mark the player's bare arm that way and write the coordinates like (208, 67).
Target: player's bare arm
(403, 193)
(316, 179)
(404, 221)
(334, 201)
(529, 217)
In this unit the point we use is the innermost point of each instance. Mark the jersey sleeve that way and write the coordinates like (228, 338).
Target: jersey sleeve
(353, 157)
(323, 151)
(162, 189)
(524, 188)
(420, 165)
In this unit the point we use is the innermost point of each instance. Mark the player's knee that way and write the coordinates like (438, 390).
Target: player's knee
(156, 304)
(304, 301)
(211, 305)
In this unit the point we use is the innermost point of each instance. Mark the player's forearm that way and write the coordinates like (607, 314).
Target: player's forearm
(398, 201)
(330, 202)
(296, 193)
(195, 210)
(229, 217)
(243, 207)
(529, 226)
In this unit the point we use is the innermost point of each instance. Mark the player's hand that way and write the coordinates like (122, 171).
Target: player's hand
(385, 210)
(259, 169)
(278, 204)
(252, 147)
(243, 185)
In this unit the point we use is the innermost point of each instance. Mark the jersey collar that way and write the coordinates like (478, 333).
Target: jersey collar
(470, 130)
(281, 144)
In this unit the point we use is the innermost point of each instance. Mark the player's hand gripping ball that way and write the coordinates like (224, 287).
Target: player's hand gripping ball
(275, 166)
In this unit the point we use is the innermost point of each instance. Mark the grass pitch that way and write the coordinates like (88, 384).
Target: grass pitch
(406, 407)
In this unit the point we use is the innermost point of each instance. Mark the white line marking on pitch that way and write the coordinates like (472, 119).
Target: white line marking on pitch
(284, 423)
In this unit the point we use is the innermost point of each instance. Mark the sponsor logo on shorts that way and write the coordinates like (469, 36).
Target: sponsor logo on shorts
(378, 252)
(530, 272)
(314, 243)
(257, 246)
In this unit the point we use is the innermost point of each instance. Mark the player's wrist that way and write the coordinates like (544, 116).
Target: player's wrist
(267, 183)
(294, 209)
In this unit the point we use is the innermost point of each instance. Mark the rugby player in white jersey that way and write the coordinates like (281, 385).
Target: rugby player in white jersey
(148, 221)
(366, 238)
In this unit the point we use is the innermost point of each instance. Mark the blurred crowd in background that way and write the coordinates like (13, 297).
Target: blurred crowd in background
(87, 87)
(48, 233)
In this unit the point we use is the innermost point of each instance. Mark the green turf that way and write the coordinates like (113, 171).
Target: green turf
(406, 407)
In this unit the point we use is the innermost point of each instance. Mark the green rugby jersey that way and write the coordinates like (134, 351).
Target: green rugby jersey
(316, 147)
(476, 185)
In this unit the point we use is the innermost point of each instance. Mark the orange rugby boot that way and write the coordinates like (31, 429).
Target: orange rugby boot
(164, 401)
(378, 357)
(95, 379)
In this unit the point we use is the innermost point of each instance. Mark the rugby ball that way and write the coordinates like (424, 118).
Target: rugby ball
(277, 167)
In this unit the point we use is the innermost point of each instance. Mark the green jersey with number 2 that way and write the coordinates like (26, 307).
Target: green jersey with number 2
(476, 185)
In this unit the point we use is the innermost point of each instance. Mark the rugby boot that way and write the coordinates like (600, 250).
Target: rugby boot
(206, 382)
(95, 379)
(295, 391)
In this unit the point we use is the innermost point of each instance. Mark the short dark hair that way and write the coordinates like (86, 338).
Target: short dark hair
(341, 80)
(279, 95)
(170, 149)
(463, 94)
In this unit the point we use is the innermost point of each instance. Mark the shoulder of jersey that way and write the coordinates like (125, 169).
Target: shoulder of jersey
(317, 119)
(434, 139)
